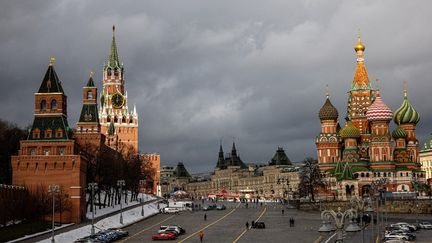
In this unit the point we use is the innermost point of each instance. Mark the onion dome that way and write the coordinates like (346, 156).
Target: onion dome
(328, 111)
(359, 46)
(406, 112)
(349, 131)
(379, 111)
(399, 132)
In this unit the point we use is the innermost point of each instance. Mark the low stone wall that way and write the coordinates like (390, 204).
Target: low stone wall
(421, 206)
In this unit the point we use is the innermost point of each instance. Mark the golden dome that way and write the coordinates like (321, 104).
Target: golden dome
(359, 46)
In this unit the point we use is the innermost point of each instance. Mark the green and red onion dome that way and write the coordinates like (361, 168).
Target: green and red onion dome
(399, 132)
(328, 111)
(349, 131)
(406, 113)
(379, 111)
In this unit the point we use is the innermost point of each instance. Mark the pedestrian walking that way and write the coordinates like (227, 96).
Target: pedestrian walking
(247, 225)
(205, 217)
(293, 222)
(290, 222)
(253, 223)
(283, 212)
(201, 235)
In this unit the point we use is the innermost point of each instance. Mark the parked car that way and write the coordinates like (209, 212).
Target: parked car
(393, 241)
(180, 229)
(393, 236)
(220, 207)
(410, 226)
(209, 207)
(164, 236)
(171, 210)
(171, 229)
(259, 225)
(104, 236)
(425, 225)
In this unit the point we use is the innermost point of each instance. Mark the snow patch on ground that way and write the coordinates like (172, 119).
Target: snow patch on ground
(129, 217)
(107, 210)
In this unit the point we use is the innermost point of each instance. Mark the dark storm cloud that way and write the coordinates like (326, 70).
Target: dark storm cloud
(201, 71)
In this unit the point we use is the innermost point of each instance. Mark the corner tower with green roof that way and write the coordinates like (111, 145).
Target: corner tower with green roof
(49, 156)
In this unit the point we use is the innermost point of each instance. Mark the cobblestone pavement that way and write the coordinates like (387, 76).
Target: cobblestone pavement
(229, 226)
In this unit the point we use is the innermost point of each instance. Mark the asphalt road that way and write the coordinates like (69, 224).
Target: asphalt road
(229, 226)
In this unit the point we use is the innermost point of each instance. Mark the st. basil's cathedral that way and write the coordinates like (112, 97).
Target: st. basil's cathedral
(364, 150)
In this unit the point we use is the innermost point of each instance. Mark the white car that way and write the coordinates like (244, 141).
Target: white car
(395, 237)
(170, 229)
(410, 226)
(425, 225)
(171, 210)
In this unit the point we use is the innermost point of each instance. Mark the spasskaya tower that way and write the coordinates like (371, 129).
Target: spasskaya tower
(118, 122)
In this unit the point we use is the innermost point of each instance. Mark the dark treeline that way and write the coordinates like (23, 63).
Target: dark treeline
(106, 166)
(10, 136)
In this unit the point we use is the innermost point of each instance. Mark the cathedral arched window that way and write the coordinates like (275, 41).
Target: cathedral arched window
(116, 72)
(131, 121)
(109, 72)
(115, 119)
(124, 120)
(53, 105)
(89, 95)
(109, 119)
(43, 105)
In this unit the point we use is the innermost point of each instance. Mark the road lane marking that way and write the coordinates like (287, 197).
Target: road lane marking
(148, 228)
(232, 211)
(244, 231)
(328, 240)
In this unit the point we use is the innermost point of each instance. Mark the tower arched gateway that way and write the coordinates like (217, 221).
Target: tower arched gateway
(365, 147)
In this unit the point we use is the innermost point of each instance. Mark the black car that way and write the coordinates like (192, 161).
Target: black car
(259, 225)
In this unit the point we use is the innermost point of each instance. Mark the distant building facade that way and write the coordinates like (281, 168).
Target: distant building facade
(353, 157)
(277, 180)
(426, 158)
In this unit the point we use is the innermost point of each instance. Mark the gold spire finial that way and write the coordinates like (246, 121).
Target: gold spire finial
(405, 88)
(91, 73)
(327, 91)
(113, 29)
(359, 46)
(52, 61)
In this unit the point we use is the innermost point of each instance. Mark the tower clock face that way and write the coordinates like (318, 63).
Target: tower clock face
(117, 100)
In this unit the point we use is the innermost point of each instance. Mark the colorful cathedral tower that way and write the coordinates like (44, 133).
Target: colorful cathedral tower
(118, 122)
(364, 149)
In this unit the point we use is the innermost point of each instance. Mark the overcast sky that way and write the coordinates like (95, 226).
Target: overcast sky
(201, 71)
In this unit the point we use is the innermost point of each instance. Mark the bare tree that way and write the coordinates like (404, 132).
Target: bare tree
(310, 178)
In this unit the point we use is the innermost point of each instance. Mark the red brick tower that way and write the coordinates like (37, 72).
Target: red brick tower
(88, 128)
(48, 155)
(114, 105)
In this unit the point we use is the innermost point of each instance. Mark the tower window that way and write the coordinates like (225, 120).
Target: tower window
(61, 151)
(109, 71)
(89, 95)
(53, 105)
(115, 119)
(43, 105)
(48, 133)
(59, 133)
(36, 133)
(116, 72)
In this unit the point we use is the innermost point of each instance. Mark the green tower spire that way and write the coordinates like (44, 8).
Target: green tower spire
(113, 58)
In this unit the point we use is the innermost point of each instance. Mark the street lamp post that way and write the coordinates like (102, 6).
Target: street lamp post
(142, 183)
(120, 184)
(92, 187)
(360, 206)
(377, 187)
(53, 189)
(339, 217)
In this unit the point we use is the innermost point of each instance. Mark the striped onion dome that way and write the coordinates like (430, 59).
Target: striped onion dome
(379, 111)
(399, 132)
(406, 113)
(328, 111)
(349, 131)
